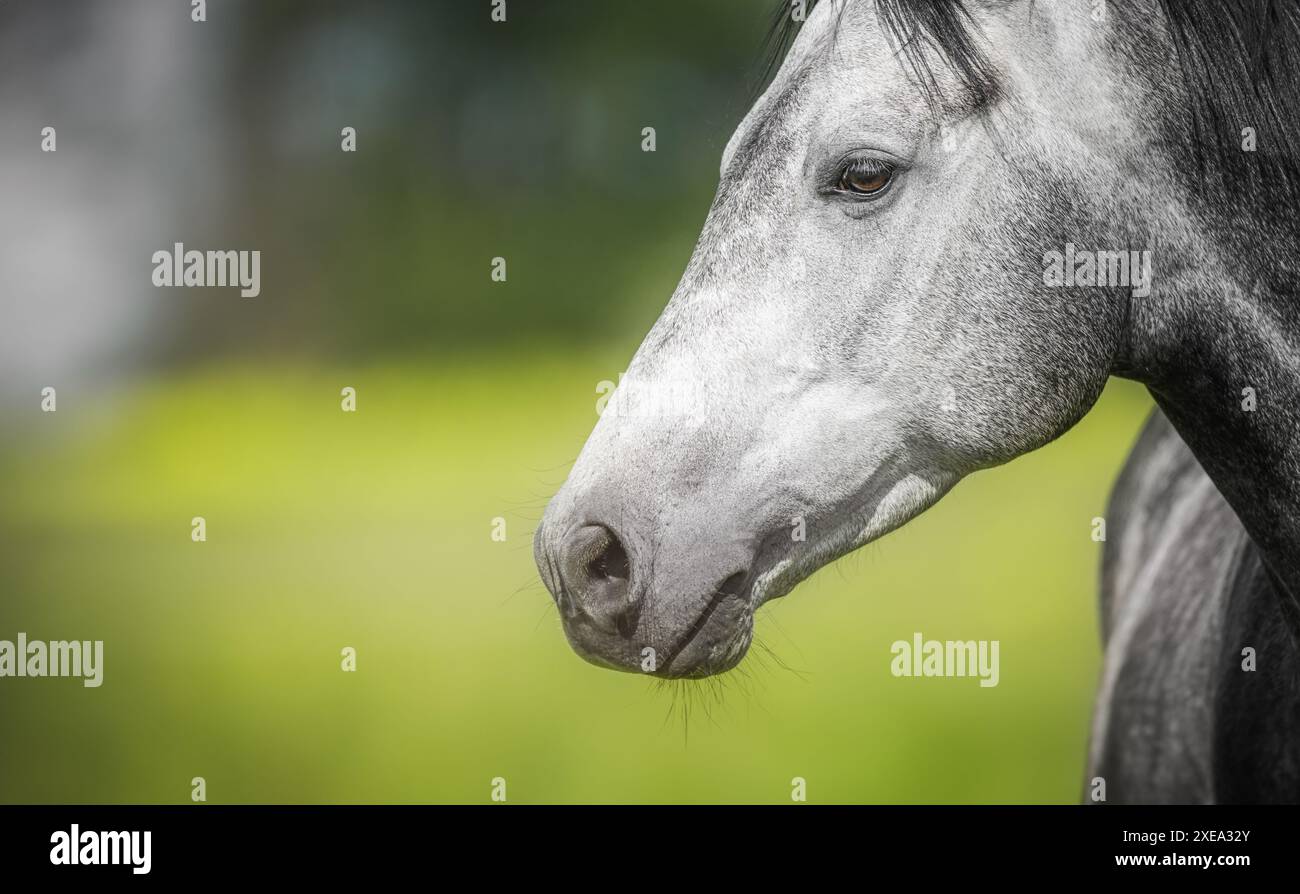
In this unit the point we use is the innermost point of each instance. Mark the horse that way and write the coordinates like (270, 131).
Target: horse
(876, 308)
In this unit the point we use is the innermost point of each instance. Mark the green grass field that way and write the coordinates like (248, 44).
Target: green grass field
(372, 530)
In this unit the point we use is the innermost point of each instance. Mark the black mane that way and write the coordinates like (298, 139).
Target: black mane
(1240, 66)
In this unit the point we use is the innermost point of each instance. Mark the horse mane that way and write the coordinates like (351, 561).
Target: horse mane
(1239, 62)
(1240, 65)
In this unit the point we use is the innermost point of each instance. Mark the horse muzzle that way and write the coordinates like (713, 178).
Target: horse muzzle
(666, 608)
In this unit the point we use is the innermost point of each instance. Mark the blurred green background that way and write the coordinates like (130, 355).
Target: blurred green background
(372, 529)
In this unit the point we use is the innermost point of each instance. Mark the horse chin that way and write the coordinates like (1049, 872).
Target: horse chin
(713, 643)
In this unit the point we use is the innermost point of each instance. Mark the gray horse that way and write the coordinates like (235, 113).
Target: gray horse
(938, 232)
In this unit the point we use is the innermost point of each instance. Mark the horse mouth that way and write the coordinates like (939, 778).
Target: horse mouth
(719, 637)
(729, 653)
(713, 643)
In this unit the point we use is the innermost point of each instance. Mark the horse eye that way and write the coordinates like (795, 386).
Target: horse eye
(866, 177)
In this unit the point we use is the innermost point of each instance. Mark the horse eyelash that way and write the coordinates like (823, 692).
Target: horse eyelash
(858, 165)
(864, 165)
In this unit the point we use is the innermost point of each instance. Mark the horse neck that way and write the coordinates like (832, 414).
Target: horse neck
(1224, 318)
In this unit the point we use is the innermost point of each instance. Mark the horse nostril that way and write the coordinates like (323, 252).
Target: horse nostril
(597, 568)
(611, 563)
